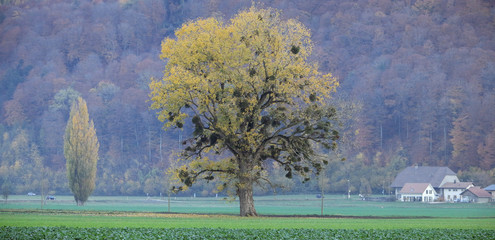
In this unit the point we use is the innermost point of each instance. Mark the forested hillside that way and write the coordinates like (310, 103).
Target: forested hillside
(417, 87)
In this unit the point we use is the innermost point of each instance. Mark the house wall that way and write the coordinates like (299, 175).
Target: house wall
(493, 195)
(397, 194)
(440, 193)
(469, 197)
(483, 200)
(411, 198)
(452, 194)
(429, 194)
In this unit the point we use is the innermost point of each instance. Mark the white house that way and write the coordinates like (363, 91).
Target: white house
(417, 192)
(452, 190)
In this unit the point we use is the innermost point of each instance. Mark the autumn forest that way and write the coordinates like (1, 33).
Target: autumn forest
(417, 87)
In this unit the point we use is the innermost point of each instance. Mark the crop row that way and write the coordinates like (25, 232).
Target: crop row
(221, 233)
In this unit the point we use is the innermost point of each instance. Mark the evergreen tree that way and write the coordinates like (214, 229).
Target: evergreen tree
(81, 152)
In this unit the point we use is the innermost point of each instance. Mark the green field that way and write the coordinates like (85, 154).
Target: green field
(129, 217)
(334, 205)
(156, 220)
(224, 233)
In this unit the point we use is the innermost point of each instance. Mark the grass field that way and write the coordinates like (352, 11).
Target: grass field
(152, 212)
(283, 217)
(25, 218)
(265, 205)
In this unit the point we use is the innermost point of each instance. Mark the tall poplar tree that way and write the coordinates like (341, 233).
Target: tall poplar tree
(253, 96)
(81, 152)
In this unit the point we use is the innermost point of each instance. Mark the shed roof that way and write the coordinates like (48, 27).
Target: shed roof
(415, 174)
(478, 192)
(414, 188)
(490, 188)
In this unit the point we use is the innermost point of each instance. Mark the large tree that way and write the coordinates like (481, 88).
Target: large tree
(81, 152)
(253, 96)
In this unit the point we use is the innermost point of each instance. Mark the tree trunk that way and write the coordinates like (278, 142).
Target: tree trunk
(78, 201)
(168, 207)
(246, 201)
(245, 188)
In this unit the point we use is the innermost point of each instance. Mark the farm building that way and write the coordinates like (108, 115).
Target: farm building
(452, 190)
(417, 192)
(476, 194)
(436, 176)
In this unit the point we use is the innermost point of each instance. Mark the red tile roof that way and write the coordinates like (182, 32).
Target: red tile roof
(414, 188)
(462, 185)
(477, 191)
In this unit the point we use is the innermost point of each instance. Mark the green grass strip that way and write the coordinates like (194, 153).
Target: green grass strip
(154, 220)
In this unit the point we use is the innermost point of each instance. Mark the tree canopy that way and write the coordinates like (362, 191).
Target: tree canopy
(252, 95)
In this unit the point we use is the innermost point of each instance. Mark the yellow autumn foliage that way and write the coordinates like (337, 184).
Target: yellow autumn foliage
(210, 64)
(252, 93)
(81, 152)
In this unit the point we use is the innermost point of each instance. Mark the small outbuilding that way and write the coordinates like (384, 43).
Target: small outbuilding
(491, 190)
(476, 194)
